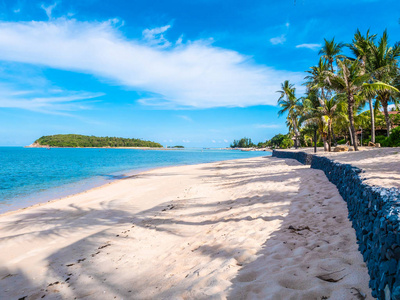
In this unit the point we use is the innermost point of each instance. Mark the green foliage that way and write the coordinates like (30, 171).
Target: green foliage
(76, 140)
(341, 142)
(261, 145)
(381, 139)
(280, 141)
(277, 140)
(179, 147)
(393, 140)
(242, 143)
(286, 143)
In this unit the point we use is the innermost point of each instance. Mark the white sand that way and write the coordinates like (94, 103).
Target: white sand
(259, 228)
(381, 165)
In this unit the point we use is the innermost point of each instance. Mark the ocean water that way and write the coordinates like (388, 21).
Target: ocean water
(33, 175)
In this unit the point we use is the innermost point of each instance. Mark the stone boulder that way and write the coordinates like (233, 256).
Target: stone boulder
(377, 145)
(371, 144)
(341, 149)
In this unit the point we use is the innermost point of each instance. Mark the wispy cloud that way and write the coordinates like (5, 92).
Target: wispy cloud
(57, 102)
(155, 36)
(49, 9)
(267, 126)
(310, 46)
(186, 118)
(278, 40)
(194, 74)
(281, 38)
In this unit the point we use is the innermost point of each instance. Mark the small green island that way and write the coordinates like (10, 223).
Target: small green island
(85, 141)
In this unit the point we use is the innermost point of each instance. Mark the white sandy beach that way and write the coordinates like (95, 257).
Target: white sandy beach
(258, 228)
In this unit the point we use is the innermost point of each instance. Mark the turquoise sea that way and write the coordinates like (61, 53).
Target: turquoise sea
(32, 175)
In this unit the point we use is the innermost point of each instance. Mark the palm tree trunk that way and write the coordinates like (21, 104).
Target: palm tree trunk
(325, 142)
(351, 119)
(334, 138)
(296, 133)
(371, 108)
(329, 134)
(386, 113)
(351, 136)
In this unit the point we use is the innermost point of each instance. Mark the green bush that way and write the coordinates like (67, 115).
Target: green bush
(393, 140)
(286, 143)
(381, 139)
(341, 142)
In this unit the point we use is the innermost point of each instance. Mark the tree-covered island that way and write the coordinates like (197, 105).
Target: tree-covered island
(84, 141)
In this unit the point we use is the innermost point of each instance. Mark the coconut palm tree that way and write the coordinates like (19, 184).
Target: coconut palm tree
(316, 79)
(351, 80)
(361, 47)
(289, 104)
(330, 50)
(384, 68)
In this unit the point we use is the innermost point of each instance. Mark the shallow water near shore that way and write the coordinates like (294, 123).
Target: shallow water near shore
(33, 175)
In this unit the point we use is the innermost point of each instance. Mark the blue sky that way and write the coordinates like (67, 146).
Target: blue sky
(197, 73)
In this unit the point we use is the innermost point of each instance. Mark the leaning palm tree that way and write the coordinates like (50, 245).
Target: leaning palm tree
(384, 68)
(351, 80)
(289, 104)
(330, 50)
(361, 47)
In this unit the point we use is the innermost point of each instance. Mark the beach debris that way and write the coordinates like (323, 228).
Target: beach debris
(359, 294)
(81, 260)
(297, 230)
(105, 245)
(169, 206)
(56, 282)
(22, 298)
(8, 275)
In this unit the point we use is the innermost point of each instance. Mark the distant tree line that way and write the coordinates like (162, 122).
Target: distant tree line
(76, 140)
(282, 141)
(243, 143)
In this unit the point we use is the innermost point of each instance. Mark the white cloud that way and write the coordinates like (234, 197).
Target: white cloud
(57, 102)
(155, 36)
(190, 75)
(225, 141)
(310, 46)
(213, 141)
(185, 141)
(267, 126)
(49, 9)
(278, 40)
(186, 118)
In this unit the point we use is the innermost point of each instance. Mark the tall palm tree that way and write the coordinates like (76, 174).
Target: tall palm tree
(361, 47)
(289, 104)
(384, 68)
(330, 50)
(316, 79)
(351, 80)
(312, 117)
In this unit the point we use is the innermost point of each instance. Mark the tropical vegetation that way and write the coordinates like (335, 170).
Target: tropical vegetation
(76, 140)
(338, 90)
(243, 143)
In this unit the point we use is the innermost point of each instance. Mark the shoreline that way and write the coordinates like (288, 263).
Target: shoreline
(127, 174)
(246, 227)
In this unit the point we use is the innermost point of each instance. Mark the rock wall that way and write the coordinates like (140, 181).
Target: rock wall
(375, 215)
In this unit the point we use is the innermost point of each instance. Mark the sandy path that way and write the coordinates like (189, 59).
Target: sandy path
(261, 228)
